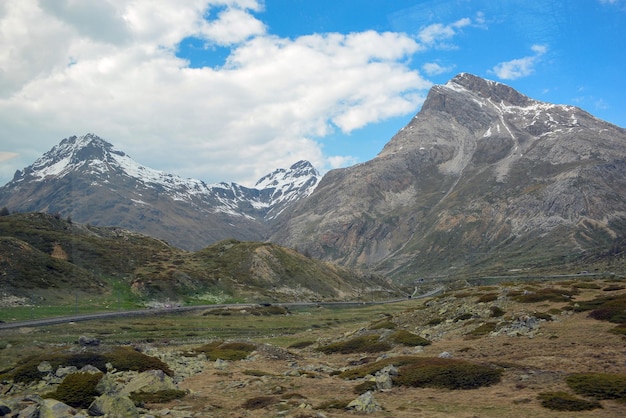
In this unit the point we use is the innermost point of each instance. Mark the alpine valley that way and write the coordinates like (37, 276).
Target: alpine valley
(483, 181)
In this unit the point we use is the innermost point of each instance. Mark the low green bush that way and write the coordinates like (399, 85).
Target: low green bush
(551, 294)
(371, 368)
(127, 358)
(608, 308)
(226, 350)
(385, 324)
(408, 338)
(362, 344)
(259, 402)
(161, 396)
(487, 297)
(334, 404)
(496, 312)
(122, 358)
(481, 330)
(599, 385)
(365, 386)
(301, 344)
(77, 389)
(563, 401)
(447, 374)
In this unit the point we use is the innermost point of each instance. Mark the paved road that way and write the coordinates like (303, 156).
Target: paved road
(165, 311)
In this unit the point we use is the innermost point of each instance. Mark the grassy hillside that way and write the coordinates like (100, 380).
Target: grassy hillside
(45, 259)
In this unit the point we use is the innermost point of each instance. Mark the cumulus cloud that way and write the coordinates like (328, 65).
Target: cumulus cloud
(63, 73)
(433, 68)
(520, 67)
(437, 35)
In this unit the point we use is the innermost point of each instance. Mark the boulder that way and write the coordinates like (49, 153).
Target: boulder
(85, 341)
(365, 403)
(113, 405)
(51, 408)
(149, 381)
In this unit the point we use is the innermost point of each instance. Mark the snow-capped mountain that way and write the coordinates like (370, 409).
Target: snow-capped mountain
(91, 181)
(482, 177)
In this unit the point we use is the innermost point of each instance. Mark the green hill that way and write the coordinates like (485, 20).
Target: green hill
(44, 258)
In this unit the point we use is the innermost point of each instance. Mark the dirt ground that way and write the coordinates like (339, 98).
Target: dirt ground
(532, 364)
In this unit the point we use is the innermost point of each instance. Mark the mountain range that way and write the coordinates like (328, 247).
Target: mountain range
(89, 180)
(482, 181)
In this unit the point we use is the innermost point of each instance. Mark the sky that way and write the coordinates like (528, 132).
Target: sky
(229, 90)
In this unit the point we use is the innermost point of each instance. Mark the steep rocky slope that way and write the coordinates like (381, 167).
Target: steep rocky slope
(483, 179)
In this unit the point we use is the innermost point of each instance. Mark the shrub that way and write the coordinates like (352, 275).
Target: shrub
(551, 294)
(226, 351)
(385, 324)
(372, 368)
(259, 402)
(599, 385)
(335, 404)
(161, 396)
(77, 389)
(301, 344)
(363, 344)
(488, 297)
(483, 329)
(608, 308)
(408, 338)
(496, 312)
(126, 358)
(447, 374)
(365, 386)
(463, 317)
(619, 330)
(563, 401)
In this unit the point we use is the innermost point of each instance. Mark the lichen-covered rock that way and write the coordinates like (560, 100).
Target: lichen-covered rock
(51, 408)
(113, 405)
(365, 403)
(149, 381)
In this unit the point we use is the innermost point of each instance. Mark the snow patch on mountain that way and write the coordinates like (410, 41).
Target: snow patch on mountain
(93, 156)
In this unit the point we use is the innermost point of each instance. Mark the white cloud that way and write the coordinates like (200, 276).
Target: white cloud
(520, 67)
(436, 35)
(63, 74)
(432, 68)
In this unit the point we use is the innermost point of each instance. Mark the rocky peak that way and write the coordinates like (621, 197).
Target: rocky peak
(68, 155)
(487, 89)
(279, 176)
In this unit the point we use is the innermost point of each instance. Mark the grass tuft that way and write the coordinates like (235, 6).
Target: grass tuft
(563, 401)
(599, 385)
(363, 344)
(226, 351)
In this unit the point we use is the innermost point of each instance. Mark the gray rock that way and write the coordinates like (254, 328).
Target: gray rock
(85, 341)
(113, 405)
(149, 381)
(64, 371)
(51, 408)
(365, 403)
(44, 367)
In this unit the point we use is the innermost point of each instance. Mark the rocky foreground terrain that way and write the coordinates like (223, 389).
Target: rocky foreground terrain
(506, 350)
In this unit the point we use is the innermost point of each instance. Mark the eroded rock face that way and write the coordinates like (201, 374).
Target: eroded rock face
(480, 173)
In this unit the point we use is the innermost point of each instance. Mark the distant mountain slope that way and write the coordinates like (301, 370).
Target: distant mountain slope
(482, 180)
(43, 256)
(89, 180)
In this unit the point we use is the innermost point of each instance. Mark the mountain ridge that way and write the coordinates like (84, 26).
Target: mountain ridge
(481, 174)
(90, 180)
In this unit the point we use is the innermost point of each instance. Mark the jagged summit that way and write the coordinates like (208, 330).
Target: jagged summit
(488, 89)
(70, 154)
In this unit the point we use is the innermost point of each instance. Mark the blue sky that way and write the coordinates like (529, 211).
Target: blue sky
(228, 90)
